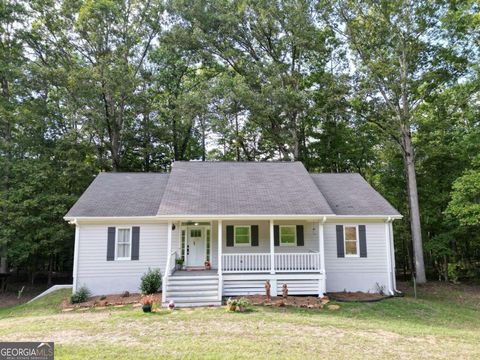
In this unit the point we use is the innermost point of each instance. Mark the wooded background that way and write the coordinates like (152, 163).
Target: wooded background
(389, 89)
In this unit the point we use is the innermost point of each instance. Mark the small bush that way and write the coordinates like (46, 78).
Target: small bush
(151, 281)
(81, 295)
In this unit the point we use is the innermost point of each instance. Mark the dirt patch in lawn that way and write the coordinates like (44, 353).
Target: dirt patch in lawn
(19, 293)
(356, 296)
(107, 300)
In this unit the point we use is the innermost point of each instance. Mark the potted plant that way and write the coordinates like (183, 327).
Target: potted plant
(232, 304)
(179, 263)
(208, 266)
(242, 304)
(147, 302)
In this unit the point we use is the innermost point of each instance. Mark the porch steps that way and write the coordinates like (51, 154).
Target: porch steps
(192, 290)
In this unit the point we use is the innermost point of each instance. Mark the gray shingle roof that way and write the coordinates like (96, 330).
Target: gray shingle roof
(121, 194)
(234, 188)
(351, 194)
(230, 188)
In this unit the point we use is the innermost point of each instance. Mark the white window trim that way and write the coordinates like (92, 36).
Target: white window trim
(116, 243)
(357, 241)
(235, 235)
(280, 235)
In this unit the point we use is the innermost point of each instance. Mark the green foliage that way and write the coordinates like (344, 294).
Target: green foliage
(465, 203)
(80, 296)
(151, 281)
(89, 86)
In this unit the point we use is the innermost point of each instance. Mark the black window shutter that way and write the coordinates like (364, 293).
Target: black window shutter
(276, 235)
(135, 242)
(363, 240)
(300, 240)
(254, 234)
(340, 244)
(111, 244)
(229, 235)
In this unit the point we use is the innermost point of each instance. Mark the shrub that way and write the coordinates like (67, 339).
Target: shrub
(151, 281)
(81, 295)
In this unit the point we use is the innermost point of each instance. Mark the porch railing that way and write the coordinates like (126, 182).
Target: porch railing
(297, 262)
(171, 263)
(284, 262)
(246, 262)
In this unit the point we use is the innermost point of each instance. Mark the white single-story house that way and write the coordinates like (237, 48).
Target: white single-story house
(235, 225)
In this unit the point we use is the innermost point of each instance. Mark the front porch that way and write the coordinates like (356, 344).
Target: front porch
(243, 254)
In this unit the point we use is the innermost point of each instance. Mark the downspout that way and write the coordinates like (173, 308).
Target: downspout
(391, 257)
(75, 255)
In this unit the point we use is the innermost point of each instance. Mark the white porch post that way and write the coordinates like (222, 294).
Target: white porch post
(321, 250)
(75, 257)
(169, 248)
(272, 249)
(273, 281)
(220, 277)
(167, 266)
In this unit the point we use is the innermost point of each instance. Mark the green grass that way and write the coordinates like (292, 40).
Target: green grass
(443, 323)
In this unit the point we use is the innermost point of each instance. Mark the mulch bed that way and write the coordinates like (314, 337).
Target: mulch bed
(108, 300)
(356, 296)
(310, 302)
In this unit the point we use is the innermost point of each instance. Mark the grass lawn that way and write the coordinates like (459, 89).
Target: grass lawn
(443, 323)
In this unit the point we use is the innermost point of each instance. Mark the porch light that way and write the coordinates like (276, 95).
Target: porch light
(196, 224)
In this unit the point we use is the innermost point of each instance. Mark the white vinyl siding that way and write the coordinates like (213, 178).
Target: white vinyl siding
(114, 277)
(357, 273)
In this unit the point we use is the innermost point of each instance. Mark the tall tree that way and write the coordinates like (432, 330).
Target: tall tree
(272, 47)
(400, 58)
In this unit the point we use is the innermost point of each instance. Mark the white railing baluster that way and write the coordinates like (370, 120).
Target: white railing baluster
(284, 262)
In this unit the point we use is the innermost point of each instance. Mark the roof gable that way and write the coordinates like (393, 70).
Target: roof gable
(241, 188)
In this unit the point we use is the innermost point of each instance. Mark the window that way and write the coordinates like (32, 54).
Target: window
(183, 245)
(124, 244)
(195, 233)
(351, 240)
(208, 245)
(242, 235)
(288, 235)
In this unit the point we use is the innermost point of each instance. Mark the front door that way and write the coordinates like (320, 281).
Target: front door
(196, 248)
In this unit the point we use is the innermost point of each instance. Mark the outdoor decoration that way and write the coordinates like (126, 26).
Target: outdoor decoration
(147, 302)
(267, 290)
(285, 291)
(208, 266)
(171, 305)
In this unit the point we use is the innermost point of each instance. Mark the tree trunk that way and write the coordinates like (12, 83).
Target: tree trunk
(415, 225)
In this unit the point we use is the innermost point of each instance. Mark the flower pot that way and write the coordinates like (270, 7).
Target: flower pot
(241, 308)
(147, 308)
